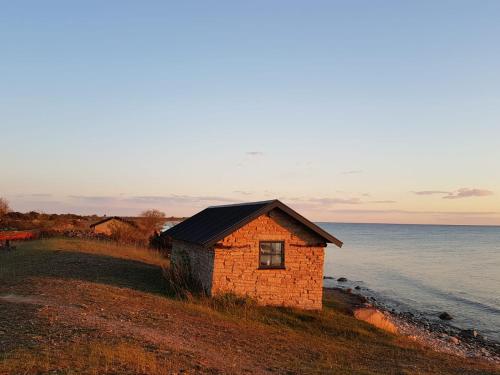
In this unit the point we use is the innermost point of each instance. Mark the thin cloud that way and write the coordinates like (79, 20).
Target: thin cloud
(242, 192)
(332, 201)
(353, 171)
(181, 199)
(455, 213)
(151, 199)
(269, 193)
(431, 192)
(468, 193)
(255, 153)
(328, 202)
(33, 195)
(458, 194)
(93, 198)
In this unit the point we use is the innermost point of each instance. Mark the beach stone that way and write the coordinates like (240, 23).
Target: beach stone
(445, 316)
(341, 279)
(362, 298)
(469, 333)
(357, 287)
(328, 278)
(454, 340)
(375, 317)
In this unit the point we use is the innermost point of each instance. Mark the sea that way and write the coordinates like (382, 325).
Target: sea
(423, 269)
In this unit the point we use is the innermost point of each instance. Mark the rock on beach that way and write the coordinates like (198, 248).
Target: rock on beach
(376, 318)
(468, 333)
(454, 340)
(445, 316)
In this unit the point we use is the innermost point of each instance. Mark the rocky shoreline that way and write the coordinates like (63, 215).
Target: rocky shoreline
(440, 336)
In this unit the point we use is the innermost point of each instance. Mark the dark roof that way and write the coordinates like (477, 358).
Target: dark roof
(115, 218)
(214, 223)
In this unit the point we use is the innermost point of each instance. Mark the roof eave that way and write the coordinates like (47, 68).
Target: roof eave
(316, 229)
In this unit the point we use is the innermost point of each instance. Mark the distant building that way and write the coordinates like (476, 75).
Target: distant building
(264, 250)
(107, 225)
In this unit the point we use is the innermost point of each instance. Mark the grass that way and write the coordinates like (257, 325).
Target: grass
(98, 247)
(89, 358)
(98, 261)
(102, 308)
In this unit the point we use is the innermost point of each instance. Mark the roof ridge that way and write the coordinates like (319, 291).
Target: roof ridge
(119, 218)
(243, 204)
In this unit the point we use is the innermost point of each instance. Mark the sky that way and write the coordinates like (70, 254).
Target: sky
(348, 111)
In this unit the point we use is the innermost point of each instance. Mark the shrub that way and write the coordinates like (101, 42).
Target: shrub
(130, 235)
(231, 303)
(4, 206)
(180, 282)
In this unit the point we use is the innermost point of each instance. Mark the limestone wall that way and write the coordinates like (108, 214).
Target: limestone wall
(201, 260)
(299, 284)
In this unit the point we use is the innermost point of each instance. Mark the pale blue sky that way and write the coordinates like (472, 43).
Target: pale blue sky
(343, 109)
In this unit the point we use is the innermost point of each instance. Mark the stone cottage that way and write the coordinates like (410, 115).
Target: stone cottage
(264, 250)
(107, 225)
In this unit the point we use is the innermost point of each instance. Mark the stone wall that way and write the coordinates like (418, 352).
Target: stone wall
(200, 260)
(299, 284)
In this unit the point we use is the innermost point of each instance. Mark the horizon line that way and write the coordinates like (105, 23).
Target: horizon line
(314, 221)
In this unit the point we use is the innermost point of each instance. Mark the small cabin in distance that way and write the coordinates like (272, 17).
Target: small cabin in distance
(264, 250)
(107, 225)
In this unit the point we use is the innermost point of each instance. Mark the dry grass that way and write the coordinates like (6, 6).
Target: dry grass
(100, 247)
(105, 310)
(86, 358)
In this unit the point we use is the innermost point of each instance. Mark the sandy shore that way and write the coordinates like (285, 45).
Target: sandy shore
(441, 337)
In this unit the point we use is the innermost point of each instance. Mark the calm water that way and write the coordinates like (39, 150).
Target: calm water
(424, 268)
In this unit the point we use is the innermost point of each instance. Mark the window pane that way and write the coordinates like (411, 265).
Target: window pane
(276, 247)
(271, 254)
(265, 260)
(265, 248)
(276, 260)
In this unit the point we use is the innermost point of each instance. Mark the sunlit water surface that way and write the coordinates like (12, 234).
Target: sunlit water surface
(424, 268)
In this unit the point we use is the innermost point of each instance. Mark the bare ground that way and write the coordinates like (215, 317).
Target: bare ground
(74, 307)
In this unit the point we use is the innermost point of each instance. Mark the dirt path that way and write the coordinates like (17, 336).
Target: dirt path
(213, 344)
(79, 317)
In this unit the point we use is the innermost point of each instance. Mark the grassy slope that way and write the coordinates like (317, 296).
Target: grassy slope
(73, 306)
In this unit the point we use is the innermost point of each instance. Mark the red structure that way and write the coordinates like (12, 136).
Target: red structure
(15, 235)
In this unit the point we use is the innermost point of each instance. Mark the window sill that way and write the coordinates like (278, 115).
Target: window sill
(272, 268)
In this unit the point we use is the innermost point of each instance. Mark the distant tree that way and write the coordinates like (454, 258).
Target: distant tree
(32, 215)
(4, 206)
(152, 221)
